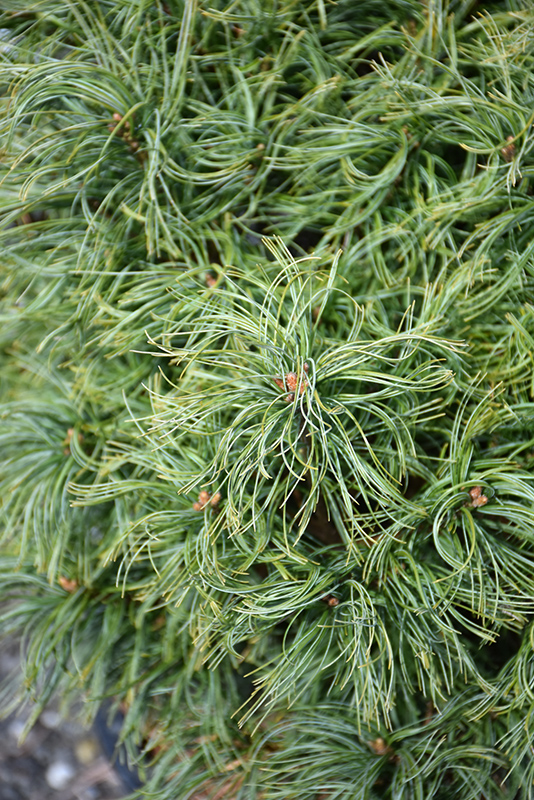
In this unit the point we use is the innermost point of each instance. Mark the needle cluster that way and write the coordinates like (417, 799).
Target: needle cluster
(266, 387)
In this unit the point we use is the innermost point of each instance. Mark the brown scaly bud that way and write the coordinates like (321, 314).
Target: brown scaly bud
(289, 397)
(508, 152)
(330, 600)
(379, 747)
(480, 501)
(210, 280)
(205, 498)
(68, 439)
(67, 584)
(477, 498)
(292, 382)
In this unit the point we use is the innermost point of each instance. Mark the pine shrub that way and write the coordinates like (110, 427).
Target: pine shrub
(267, 388)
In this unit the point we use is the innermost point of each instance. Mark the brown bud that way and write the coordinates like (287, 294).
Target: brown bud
(292, 382)
(477, 498)
(330, 600)
(480, 501)
(197, 507)
(203, 497)
(67, 584)
(379, 746)
(289, 397)
(117, 117)
(68, 439)
(508, 152)
(215, 499)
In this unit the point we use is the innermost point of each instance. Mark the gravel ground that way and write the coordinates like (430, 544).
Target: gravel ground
(59, 759)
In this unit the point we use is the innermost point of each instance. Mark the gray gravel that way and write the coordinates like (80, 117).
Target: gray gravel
(58, 760)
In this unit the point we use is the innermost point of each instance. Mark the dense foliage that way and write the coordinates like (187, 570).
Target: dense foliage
(267, 424)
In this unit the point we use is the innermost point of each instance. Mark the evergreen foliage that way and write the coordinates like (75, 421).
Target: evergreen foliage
(267, 388)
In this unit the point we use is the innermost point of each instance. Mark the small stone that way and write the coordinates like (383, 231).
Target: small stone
(59, 774)
(90, 793)
(50, 719)
(86, 750)
(16, 728)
